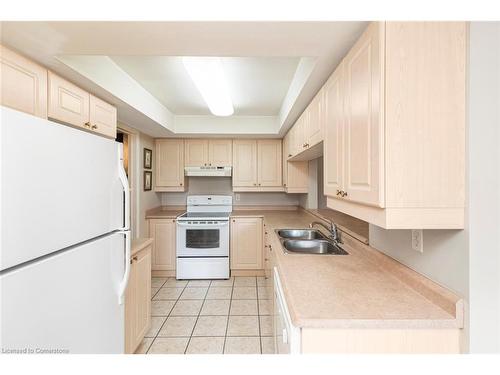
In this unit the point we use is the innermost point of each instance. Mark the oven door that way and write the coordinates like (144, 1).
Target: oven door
(202, 239)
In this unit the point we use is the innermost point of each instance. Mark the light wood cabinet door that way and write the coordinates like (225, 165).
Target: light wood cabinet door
(245, 163)
(314, 130)
(163, 231)
(196, 152)
(169, 165)
(269, 162)
(297, 177)
(246, 243)
(102, 117)
(138, 300)
(23, 84)
(333, 160)
(363, 119)
(220, 152)
(67, 102)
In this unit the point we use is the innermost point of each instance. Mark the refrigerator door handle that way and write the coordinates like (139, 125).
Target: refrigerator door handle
(123, 284)
(126, 190)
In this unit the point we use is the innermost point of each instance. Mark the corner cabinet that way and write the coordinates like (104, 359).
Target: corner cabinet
(23, 84)
(163, 232)
(246, 244)
(395, 127)
(257, 165)
(138, 299)
(169, 170)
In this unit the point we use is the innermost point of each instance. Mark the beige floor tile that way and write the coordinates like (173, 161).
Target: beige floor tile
(266, 325)
(154, 291)
(242, 345)
(173, 283)
(243, 326)
(245, 292)
(264, 307)
(194, 293)
(144, 345)
(244, 307)
(178, 326)
(157, 282)
(215, 307)
(169, 345)
(219, 293)
(161, 308)
(262, 292)
(187, 308)
(267, 345)
(262, 281)
(205, 345)
(168, 294)
(198, 283)
(245, 281)
(156, 323)
(223, 283)
(210, 326)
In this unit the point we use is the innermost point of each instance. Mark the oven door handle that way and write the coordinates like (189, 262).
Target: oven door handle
(183, 224)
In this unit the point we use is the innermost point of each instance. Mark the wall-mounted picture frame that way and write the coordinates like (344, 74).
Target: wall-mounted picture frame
(148, 180)
(148, 158)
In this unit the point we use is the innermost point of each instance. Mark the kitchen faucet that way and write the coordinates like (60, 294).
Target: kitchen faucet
(333, 230)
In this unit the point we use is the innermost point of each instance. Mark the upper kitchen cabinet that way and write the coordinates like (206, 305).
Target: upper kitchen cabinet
(395, 127)
(295, 173)
(306, 134)
(71, 105)
(220, 152)
(208, 152)
(269, 162)
(23, 84)
(169, 165)
(257, 165)
(102, 117)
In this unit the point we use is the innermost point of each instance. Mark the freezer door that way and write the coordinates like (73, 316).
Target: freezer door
(66, 301)
(59, 186)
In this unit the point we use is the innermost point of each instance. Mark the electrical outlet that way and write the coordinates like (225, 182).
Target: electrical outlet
(237, 197)
(417, 240)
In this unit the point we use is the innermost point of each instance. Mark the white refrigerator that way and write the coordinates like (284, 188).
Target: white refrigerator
(64, 238)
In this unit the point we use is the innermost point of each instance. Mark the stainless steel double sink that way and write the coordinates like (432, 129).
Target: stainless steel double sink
(308, 241)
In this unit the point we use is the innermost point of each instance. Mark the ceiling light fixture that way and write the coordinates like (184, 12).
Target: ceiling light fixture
(208, 76)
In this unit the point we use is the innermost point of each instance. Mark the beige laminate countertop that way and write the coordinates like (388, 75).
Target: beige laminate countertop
(365, 289)
(164, 212)
(138, 244)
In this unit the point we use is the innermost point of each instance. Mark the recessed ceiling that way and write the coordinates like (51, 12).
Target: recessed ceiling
(257, 85)
(277, 67)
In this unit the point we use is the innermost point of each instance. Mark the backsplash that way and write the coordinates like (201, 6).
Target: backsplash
(222, 185)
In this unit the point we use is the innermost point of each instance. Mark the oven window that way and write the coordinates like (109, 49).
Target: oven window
(202, 238)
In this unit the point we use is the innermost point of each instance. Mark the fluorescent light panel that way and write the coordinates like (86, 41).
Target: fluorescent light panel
(208, 76)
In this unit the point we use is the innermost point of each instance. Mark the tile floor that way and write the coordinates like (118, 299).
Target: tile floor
(209, 317)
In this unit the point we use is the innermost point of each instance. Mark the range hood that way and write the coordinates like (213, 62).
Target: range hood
(208, 171)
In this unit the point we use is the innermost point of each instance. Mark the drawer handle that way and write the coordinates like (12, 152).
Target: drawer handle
(344, 194)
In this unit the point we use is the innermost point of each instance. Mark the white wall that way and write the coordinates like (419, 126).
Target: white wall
(145, 199)
(484, 189)
(468, 261)
(222, 185)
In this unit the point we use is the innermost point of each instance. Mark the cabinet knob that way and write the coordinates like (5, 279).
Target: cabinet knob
(210, 164)
(259, 184)
(87, 124)
(338, 192)
(135, 259)
(344, 194)
(266, 259)
(234, 221)
(94, 127)
(180, 184)
(254, 184)
(289, 155)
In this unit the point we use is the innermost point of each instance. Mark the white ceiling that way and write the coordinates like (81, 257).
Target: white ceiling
(258, 85)
(150, 98)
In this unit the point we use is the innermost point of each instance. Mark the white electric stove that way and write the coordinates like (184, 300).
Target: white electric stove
(203, 238)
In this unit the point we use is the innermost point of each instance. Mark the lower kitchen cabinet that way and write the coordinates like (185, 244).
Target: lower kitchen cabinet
(138, 299)
(163, 231)
(246, 252)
